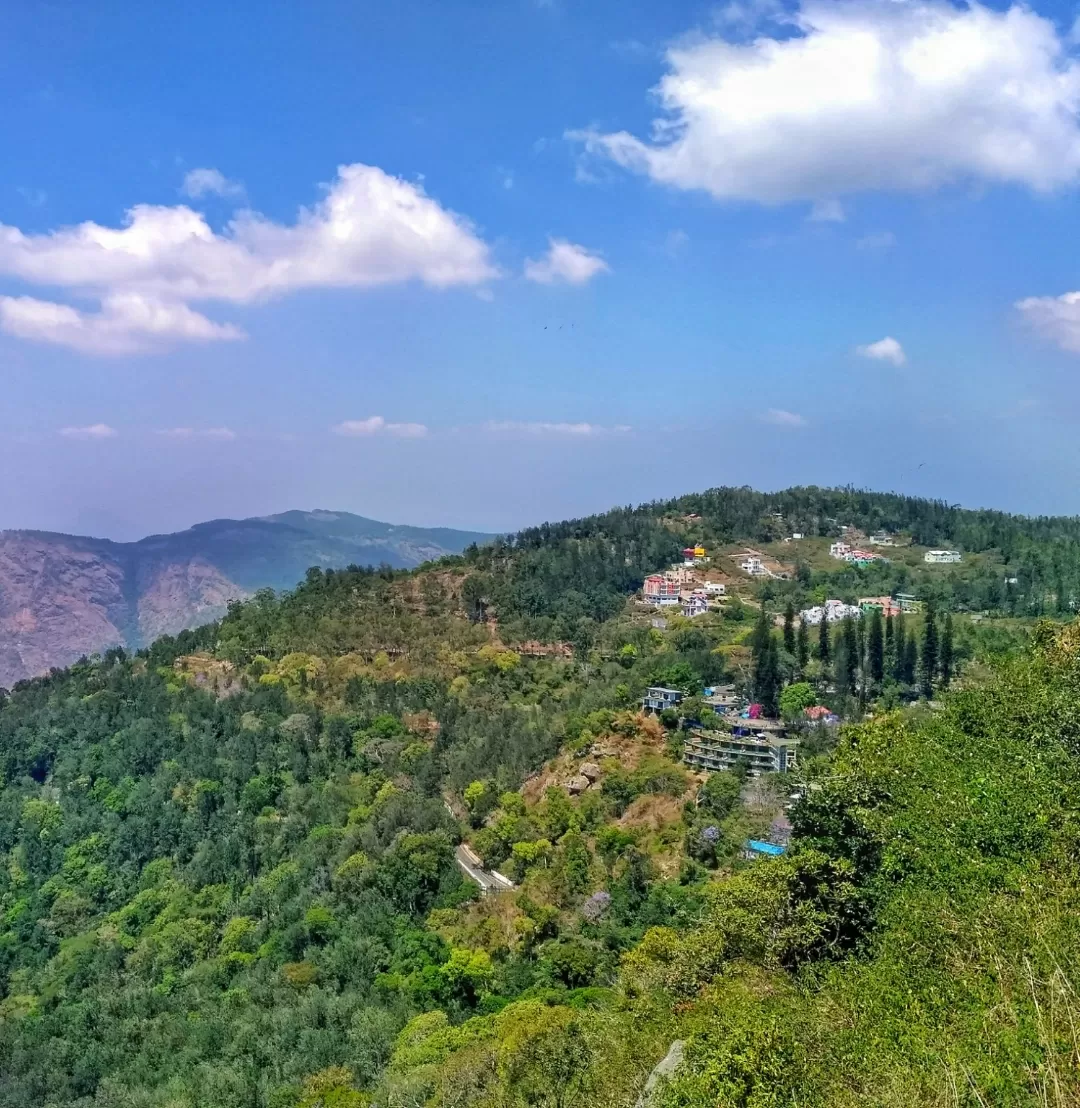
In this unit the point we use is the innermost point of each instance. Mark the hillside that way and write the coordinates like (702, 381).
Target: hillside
(227, 863)
(63, 596)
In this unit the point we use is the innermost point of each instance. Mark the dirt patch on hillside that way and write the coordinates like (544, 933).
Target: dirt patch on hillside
(628, 749)
(653, 811)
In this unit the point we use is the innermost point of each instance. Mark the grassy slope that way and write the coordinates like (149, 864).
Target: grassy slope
(919, 946)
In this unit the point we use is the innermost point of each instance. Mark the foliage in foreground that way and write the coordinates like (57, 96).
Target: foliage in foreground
(918, 946)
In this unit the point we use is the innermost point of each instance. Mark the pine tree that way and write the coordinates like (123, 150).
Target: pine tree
(823, 651)
(945, 655)
(860, 657)
(929, 654)
(767, 679)
(911, 658)
(900, 651)
(789, 628)
(802, 646)
(890, 645)
(875, 649)
(759, 637)
(850, 640)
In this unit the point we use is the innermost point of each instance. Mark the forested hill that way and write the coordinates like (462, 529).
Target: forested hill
(227, 869)
(547, 578)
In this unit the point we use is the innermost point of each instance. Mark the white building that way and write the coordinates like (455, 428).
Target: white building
(754, 566)
(942, 557)
(839, 550)
(715, 588)
(696, 604)
(881, 538)
(832, 611)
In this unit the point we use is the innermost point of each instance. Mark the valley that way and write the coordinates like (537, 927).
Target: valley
(63, 596)
(494, 832)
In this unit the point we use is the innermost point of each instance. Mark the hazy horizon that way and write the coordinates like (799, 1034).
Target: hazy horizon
(592, 255)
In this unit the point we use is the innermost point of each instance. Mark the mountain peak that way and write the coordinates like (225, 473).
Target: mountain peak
(62, 596)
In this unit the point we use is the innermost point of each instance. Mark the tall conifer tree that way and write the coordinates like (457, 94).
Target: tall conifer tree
(767, 679)
(802, 646)
(900, 651)
(850, 664)
(911, 658)
(945, 658)
(929, 654)
(823, 651)
(789, 628)
(875, 649)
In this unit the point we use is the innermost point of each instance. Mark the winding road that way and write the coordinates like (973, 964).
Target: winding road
(488, 880)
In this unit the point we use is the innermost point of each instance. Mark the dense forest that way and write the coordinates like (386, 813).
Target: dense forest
(227, 862)
(551, 579)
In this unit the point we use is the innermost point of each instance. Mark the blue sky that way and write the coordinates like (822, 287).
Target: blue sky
(509, 260)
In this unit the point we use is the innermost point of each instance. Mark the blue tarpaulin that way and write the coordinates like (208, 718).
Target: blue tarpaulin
(759, 847)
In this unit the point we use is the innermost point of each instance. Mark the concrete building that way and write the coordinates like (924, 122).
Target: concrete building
(839, 550)
(754, 566)
(884, 604)
(832, 611)
(761, 743)
(659, 587)
(715, 588)
(942, 557)
(908, 602)
(696, 604)
(657, 699)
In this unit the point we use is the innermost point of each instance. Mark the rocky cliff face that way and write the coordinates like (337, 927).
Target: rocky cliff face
(63, 596)
(58, 600)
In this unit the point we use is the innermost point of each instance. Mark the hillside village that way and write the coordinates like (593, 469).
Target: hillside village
(736, 730)
(394, 814)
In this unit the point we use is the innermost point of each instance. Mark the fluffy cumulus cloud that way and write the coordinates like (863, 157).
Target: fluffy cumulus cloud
(843, 97)
(1055, 318)
(376, 425)
(369, 229)
(884, 350)
(93, 431)
(565, 262)
(209, 182)
(127, 323)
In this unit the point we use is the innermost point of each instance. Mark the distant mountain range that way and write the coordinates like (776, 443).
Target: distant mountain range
(62, 596)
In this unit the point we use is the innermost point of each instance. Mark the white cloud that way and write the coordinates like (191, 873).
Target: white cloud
(128, 323)
(94, 431)
(864, 95)
(540, 428)
(1055, 318)
(884, 350)
(827, 211)
(778, 417)
(369, 229)
(220, 434)
(565, 261)
(203, 182)
(876, 240)
(376, 425)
